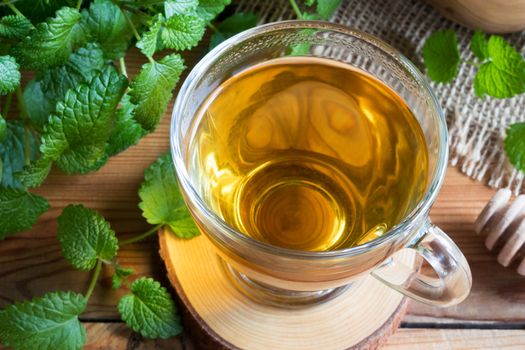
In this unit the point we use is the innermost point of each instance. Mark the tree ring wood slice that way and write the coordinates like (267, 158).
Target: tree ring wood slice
(218, 316)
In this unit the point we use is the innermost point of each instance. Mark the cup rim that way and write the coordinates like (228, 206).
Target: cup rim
(210, 59)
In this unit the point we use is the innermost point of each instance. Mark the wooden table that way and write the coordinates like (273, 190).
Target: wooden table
(493, 316)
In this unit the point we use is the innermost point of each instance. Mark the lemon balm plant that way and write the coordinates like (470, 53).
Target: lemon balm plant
(80, 109)
(500, 74)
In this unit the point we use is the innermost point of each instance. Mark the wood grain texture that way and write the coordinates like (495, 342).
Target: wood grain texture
(494, 16)
(363, 317)
(464, 339)
(116, 336)
(498, 293)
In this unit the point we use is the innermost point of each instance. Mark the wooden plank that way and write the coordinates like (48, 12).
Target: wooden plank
(464, 339)
(497, 293)
(118, 336)
(102, 336)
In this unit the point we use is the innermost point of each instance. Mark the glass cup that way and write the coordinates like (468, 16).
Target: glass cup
(293, 278)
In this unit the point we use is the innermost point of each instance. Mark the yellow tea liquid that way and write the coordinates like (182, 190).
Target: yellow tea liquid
(308, 154)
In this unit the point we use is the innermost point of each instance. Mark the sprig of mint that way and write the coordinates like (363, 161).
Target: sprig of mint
(88, 242)
(501, 69)
(81, 108)
(500, 74)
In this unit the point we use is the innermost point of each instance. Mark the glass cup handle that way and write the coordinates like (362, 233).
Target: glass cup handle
(453, 281)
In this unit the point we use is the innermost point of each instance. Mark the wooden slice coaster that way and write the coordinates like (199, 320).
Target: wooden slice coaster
(218, 316)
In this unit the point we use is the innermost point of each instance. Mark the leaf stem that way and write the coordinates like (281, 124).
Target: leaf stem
(123, 69)
(132, 26)
(140, 237)
(13, 8)
(94, 279)
(296, 9)
(27, 124)
(212, 27)
(7, 105)
(79, 3)
(473, 63)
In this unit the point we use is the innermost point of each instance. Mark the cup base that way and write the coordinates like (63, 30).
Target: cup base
(281, 298)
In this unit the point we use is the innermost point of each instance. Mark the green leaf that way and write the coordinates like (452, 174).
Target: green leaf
(326, 8)
(149, 42)
(179, 7)
(9, 75)
(149, 310)
(515, 145)
(479, 46)
(127, 131)
(76, 136)
(3, 131)
(151, 89)
(39, 10)
(34, 174)
(182, 32)
(119, 275)
(233, 25)
(42, 93)
(161, 200)
(209, 9)
(14, 27)
(51, 42)
(49, 322)
(309, 2)
(19, 210)
(106, 24)
(85, 236)
(13, 152)
(441, 55)
(503, 76)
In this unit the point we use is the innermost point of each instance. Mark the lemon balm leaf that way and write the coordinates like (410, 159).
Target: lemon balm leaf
(515, 145)
(479, 46)
(35, 173)
(149, 42)
(326, 8)
(127, 131)
(13, 152)
(441, 55)
(42, 93)
(14, 27)
(161, 200)
(52, 41)
(106, 24)
(209, 9)
(48, 322)
(85, 237)
(76, 136)
(182, 32)
(118, 276)
(149, 310)
(179, 7)
(503, 75)
(19, 210)
(9, 75)
(151, 89)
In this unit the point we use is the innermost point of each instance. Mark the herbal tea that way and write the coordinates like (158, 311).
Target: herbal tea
(308, 154)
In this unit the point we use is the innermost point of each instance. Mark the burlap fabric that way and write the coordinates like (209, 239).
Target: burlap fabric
(477, 126)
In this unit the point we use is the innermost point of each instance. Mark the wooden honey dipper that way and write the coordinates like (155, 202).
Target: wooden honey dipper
(502, 219)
